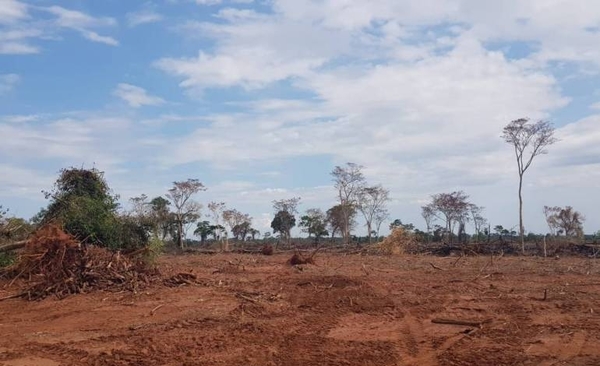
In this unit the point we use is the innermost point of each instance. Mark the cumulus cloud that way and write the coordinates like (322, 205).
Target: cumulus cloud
(136, 96)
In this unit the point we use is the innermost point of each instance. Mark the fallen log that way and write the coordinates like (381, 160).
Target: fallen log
(468, 323)
(12, 246)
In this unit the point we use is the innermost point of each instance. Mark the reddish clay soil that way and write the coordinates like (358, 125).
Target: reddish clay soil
(345, 310)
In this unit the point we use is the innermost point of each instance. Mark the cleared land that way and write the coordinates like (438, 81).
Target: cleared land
(345, 310)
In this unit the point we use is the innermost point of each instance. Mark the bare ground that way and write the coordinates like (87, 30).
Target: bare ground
(345, 310)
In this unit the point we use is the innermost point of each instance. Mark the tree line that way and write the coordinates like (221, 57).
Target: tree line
(82, 201)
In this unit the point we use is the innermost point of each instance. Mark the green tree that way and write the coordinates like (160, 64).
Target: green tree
(82, 201)
(314, 222)
(340, 217)
(282, 223)
(398, 224)
(203, 230)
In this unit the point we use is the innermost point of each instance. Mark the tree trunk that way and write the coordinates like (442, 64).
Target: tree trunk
(180, 234)
(521, 227)
(13, 246)
(369, 229)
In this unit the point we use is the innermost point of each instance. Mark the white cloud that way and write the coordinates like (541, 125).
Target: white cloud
(208, 2)
(16, 48)
(82, 23)
(143, 17)
(19, 118)
(12, 11)
(95, 37)
(136, 96)
(595, 106)
(75, 19)
(8, 82)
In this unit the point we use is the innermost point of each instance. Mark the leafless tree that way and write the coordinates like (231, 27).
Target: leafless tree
(216, 213)
(428, 214)
(380, 216)
(564, 220)
(349, 180)
(140, 206)
(478, 220)
(186, 209)
(289, 205)
(528, 140)
(371, 201)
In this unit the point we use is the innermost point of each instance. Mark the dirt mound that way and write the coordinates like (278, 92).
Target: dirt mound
(55, 263)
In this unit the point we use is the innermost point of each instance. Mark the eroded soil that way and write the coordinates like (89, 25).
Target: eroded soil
(345, 310)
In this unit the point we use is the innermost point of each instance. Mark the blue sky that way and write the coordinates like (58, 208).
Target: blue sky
(261, 99)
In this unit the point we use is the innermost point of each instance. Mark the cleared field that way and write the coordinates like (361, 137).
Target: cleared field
(345, 310)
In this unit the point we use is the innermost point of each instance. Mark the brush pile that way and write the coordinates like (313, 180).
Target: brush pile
(398, 242)
(55, 263)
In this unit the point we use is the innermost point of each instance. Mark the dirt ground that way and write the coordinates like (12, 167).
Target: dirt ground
(345, 310)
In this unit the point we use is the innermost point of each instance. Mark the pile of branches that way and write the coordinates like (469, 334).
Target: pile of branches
(55, 263)
(400, 241)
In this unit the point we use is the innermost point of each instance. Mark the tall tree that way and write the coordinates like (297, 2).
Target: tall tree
(370, 201)
(186, 209)
(349, 181)
(528, 140)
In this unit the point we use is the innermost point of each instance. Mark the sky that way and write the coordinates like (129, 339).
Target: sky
(261, 99)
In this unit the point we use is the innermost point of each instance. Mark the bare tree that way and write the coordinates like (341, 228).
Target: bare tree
(234, 219)
(216, 213)
(349, 180)
(186, 209)
(564, 220)
(428, 214)
(478, 220)
(529, 140)
(370, 201)
(289, 205)
(380, 216)
(452, 208)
